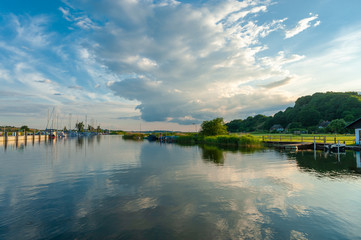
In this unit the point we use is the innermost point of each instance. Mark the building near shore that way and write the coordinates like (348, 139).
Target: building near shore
(357, 126)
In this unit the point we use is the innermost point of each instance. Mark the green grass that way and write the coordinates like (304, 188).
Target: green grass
(348, 139)
(224, 140)
(133, 136)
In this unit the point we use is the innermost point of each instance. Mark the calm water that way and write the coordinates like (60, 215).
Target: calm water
(108, 188)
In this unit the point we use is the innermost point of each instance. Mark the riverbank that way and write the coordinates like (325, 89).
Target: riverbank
(223, 140)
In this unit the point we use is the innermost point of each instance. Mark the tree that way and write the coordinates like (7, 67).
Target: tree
(309, 117)
(337, 126)
(214, 127)
(80, 126)
(25, 128)
(234, 125)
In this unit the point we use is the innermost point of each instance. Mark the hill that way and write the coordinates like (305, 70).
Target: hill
(308, 113)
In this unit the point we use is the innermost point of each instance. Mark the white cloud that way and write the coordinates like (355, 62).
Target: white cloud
(36, 72)
(164, 60)
(301, 26)
(30, 31)
(205, 52)
(78, 18)
(335, 67)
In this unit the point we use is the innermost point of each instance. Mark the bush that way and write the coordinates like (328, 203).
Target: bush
(133, 136)
(223, 140)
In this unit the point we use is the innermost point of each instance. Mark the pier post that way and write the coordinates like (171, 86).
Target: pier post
(314, 144)
(16, 136)
(25, 136)
(6, 136)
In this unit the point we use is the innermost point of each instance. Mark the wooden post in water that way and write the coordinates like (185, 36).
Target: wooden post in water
(314, 144)
(16, 136)
(25, 136)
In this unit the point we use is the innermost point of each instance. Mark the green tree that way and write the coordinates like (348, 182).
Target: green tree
(25, 128)
(280, 118)
(295, 125)
(80, 126)
(337, 126)
(213, 127)
(234, 125)
(309, 117)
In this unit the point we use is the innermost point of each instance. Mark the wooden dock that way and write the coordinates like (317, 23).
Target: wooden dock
(295, 145)
(303, 146)
(24, 137)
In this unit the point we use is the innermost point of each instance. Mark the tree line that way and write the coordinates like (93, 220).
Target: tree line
(318, 113)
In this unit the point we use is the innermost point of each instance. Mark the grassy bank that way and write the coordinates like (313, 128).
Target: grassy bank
(223, 140)
(133, 136)
(348, 139)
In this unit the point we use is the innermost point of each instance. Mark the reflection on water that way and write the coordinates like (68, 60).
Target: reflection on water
(213, 154)
(328, 164)
(107, 188)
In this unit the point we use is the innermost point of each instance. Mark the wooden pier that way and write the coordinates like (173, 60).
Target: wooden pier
(304, 145)
(22, 137)
(295, 145)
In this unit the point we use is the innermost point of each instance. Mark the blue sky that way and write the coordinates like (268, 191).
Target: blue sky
(171, 64)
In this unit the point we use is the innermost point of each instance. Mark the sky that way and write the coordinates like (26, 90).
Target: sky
(167, 64)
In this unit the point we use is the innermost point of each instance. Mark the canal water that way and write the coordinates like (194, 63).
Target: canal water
(108, 188)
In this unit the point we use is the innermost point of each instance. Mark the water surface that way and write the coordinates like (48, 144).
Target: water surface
(108, 188)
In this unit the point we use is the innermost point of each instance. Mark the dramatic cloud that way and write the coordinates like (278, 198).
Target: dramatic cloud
(188, 63)
(169, 62)
(302, 25)
(277, 83)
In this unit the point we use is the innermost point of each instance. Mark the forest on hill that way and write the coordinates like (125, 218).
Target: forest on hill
(319, 113)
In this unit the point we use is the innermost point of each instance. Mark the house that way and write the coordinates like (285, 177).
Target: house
(357, 126)
(277, 128)
(323, 124)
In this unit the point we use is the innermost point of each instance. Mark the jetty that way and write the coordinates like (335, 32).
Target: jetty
(22, 136)
(294, 146)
